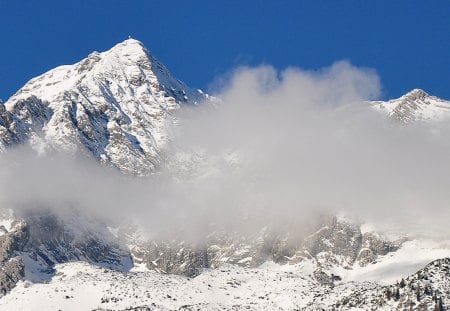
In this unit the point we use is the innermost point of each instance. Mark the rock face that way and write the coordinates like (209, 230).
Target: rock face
(116, 106)
(335, 243)
(34, 242)
(54, 239)
(343, 243)
(12, 241)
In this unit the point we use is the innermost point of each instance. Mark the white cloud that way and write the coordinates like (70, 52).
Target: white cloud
(306, 142)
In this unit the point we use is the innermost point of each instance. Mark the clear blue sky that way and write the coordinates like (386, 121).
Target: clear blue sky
(407, 42)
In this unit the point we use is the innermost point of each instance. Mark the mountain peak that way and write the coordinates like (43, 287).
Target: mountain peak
(129, 52)
(132, 41)
(116, 105)
(416, 105)
(416, 94)
(129, 46)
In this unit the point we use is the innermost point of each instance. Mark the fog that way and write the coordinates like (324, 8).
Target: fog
(278, 148)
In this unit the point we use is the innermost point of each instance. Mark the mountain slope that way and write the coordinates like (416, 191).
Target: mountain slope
(82, 286)
(332, 242)
(427, 289)
(416, 105)
(117, 105)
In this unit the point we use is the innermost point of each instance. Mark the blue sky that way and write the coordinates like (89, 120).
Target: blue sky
(407, 42)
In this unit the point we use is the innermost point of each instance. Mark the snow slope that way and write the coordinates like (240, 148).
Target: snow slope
(80, 286)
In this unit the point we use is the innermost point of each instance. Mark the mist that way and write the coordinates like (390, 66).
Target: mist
(309, 142)
(273, 148)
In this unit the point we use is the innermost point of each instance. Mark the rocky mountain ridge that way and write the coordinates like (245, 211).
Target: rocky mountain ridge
(333, 242)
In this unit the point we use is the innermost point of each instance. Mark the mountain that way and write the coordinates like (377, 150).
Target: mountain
(117, 106)
(120, 107)
(416, 105)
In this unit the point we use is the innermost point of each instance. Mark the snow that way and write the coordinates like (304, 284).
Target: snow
(245, 260)
(79, 286)
(6, 221)
(412, 256)
(367, 228)
(131, 94)
(7, 225)
(416, 105)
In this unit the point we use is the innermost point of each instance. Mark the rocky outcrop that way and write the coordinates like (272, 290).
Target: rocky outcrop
(43, 239)
(372, 246)
(12, 241)
(11, 272)
(342, 243)
(73, 237)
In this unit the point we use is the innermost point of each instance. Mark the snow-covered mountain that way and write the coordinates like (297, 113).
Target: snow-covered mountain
(119, 107)
(415, 105)
(116, 106)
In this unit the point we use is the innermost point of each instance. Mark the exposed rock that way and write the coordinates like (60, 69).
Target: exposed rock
(54, 239)
(11, 265)
(335, 243)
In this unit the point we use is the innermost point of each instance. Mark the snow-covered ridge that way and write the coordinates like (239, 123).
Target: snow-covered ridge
(127, 59)
(416, 105)
(118, 106)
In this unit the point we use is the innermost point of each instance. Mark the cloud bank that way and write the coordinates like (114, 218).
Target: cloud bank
(278, 148)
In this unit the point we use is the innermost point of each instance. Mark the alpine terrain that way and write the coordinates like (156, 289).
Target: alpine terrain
(120, 108)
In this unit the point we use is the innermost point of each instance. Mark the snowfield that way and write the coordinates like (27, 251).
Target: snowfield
(82, 286)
